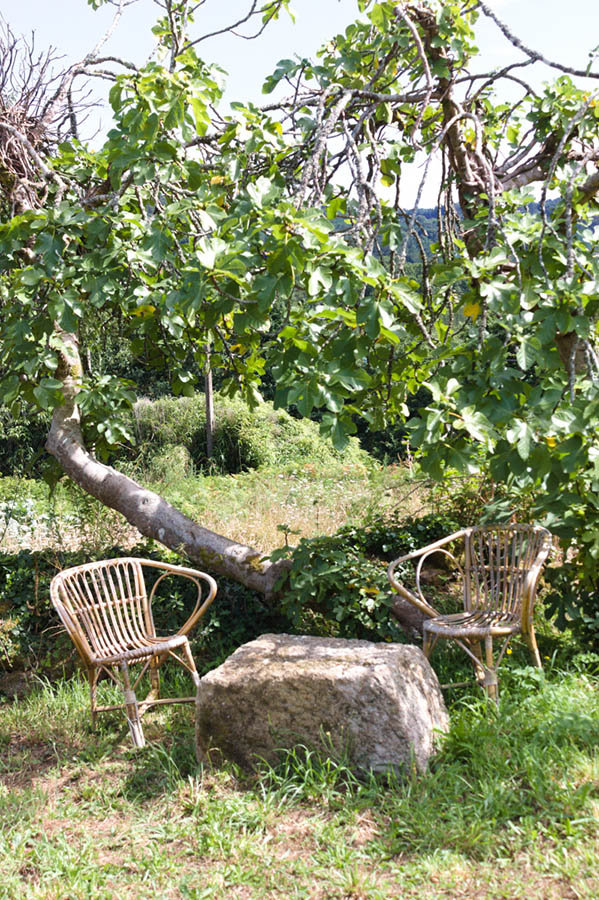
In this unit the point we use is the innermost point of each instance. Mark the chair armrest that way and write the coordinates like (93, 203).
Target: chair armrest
(531, 582)
(419, 600)
(200, 579)
(71, 625)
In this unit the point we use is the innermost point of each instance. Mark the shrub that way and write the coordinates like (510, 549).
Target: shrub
(335, 590)
(468, 499)
(168, 421)
(22, 441)
(29, 629)
(243, 439)
(171, 463)
(572, 602)
(338, 584)
(388, 537)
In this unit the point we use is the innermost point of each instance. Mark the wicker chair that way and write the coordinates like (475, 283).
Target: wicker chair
(107, 612)
(501, 568)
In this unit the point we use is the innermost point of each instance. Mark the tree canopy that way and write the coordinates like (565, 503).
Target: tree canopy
(274, 238)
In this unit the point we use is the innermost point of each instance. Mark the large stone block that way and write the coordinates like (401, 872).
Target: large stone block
(379, 704)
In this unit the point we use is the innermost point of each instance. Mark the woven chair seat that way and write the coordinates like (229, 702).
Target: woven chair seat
(160, 645)
(479, 623)
(501, 568)
(107, 612)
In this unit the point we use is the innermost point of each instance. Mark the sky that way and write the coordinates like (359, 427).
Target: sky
(564, 31)
(560, 31)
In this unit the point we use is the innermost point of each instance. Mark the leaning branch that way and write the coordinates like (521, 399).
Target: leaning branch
(142, 508)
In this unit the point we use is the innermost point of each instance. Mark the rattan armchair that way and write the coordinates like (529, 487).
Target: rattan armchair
(107, 612)
(501, 567)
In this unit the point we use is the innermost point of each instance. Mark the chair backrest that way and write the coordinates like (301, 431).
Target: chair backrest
(104, 606)
(502, 567)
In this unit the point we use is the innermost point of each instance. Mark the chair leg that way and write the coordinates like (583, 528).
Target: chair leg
(154, 679)
(428, 643)
(191, 663)
(531, 640)
(491, 684)
(131, 708)
(479, 668)
(92, 675)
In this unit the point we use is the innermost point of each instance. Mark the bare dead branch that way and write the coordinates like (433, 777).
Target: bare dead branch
(231, 29)
(402, 14)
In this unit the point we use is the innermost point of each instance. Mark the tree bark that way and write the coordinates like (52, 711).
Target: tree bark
(409, 618)
(209, 394)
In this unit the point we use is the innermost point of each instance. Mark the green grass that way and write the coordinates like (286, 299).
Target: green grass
(508, 809)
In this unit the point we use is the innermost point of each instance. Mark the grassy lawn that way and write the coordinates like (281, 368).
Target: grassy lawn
(508, 810)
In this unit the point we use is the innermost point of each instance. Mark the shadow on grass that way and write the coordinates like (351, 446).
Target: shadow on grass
(162, 766)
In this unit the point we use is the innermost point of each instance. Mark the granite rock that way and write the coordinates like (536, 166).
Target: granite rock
(379, 706)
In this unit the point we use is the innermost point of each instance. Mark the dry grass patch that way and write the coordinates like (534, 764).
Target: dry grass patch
(249, 507)
(252, 507)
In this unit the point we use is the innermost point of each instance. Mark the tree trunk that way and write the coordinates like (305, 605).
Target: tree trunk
(209, 393)
(409, 618)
